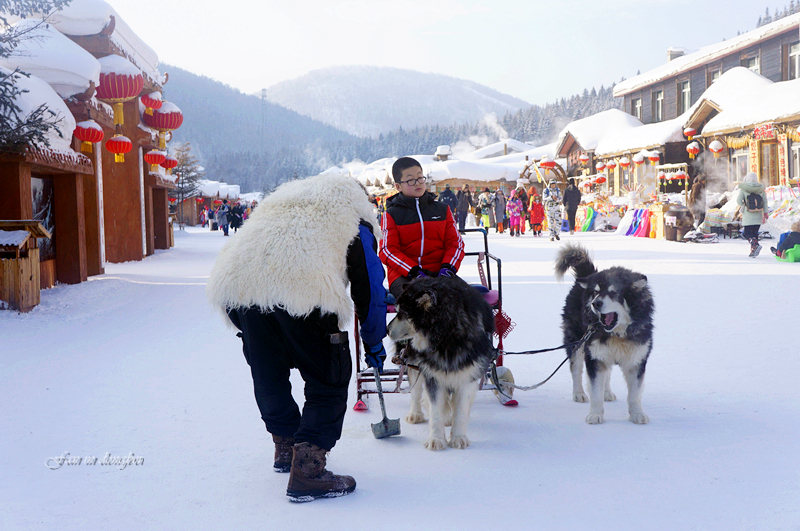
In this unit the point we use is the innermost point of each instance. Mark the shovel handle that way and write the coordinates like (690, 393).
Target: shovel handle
(380, 390)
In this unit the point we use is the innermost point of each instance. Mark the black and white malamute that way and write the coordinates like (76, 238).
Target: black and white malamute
(449, 327)
(617, 304)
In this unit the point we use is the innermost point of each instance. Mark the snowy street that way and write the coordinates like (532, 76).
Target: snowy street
(136, 362)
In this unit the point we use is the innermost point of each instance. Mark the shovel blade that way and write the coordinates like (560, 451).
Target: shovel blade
(386, 428)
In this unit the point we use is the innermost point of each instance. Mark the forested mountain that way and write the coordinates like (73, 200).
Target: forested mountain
(369, 100)
(224, 127)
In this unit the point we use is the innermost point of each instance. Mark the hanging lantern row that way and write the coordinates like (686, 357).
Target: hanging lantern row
(120, 81)
(610, 165)
(638, 159)
(716, 148)
(154, 158)
(165, 119)
(600, 166)
(88, 132)
(119, 145)
(679, 175)
(198, 199)
(690, 132)
(693, 148)
(654, 157)
(151, 101)
(624, 162)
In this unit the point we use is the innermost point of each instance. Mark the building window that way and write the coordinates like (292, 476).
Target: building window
(658, 106)
(794, 61)
(740, 161)
(713, 75)
(751, 63)
(636, 107)
(684, 97)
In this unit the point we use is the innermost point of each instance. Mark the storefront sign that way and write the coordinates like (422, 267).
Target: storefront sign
(754, 156)
(783, 159)
(764, 132)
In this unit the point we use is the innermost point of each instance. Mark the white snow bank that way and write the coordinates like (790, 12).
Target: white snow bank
(642, 137)
(775, 102)
(589, 131)
(51, 56)
(38, 93)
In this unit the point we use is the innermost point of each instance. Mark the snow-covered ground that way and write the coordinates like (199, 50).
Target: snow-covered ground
(135, 361)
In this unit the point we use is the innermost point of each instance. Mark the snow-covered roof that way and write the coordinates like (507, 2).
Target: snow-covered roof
(469, 170)
(492, 150)
(643, 137)
(90, 17)
(209, 188)
(13, 238)
(37, 92)
(51, 56)
(706, 54)
(588, 131)
(778, 102)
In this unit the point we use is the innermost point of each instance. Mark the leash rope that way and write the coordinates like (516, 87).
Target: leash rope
(503, 386)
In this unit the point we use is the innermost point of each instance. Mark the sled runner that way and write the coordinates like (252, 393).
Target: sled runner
(395, 380)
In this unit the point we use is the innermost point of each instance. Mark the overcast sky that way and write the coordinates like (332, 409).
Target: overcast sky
(535, 50)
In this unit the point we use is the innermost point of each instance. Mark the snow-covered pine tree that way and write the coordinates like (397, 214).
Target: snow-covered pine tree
(188, 174)
(19, 131)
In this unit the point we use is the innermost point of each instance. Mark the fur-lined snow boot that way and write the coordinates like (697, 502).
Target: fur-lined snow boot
(283, 453)
(308, 479)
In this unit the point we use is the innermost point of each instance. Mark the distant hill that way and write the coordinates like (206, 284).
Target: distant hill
(369, 100)
(218, 118)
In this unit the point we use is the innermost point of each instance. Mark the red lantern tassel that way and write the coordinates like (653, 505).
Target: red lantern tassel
(162, 141)
(148, 110)
(119, 157)
(86, 147)
(119, 118)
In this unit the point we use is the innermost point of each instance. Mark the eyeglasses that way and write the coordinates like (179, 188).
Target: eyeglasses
(414, 182)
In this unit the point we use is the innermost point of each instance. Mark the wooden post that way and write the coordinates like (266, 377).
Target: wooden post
(71, 222)
(15, 191)
(160, 218)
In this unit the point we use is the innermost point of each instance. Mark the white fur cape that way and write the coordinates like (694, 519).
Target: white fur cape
(292, 252)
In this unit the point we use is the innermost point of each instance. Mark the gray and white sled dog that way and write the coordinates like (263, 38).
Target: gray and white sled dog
(449, 330)
(617, 304)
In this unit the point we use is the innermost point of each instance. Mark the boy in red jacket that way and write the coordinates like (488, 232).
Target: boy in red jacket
(420, 237)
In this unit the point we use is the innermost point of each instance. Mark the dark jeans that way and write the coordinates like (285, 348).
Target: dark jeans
(462, 219)
(275, 342)
(750, 232)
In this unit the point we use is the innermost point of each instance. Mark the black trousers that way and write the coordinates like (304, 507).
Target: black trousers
(462, 218)
(571, 217)
(276, 342)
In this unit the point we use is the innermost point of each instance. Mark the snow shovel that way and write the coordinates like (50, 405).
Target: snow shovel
(386, 427)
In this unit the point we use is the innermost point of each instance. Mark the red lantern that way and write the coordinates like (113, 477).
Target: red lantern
(217, 201)
(654, 158)
(716, 148)
(119, 145)
(169, 163)
(198, 199)
(173, 200)
(168, 118)
(584, 158)
(88, 132)
(693, 149)
(151, 101)
(154, 158)
(611, 165)
(600, 180)
(638, 159)
(689, 132)
(662, 176)
(547, 164)
(681, 175)
(600, 166)
(624, 162)
(120, 81)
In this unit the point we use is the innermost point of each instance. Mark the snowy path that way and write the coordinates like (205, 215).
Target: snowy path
(136, 361)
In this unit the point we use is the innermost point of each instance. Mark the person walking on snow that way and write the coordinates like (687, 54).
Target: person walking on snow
(572, 199)
(499, 205)
(448, 198)
(552, 206)
(753, 203)
(537, 214)
(283, 283)
(514, 211)
(464, 205)
(222, 217)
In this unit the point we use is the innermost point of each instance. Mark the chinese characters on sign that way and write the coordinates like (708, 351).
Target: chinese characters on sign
(764, 132)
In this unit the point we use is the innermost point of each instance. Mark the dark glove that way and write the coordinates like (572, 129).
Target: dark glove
(447, 271)
(375, 356)
(416, 272)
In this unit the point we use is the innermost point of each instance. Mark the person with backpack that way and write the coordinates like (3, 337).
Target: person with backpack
(464, 205)
(484, 203)
(449, 198)
(222, 216)
(752, 201)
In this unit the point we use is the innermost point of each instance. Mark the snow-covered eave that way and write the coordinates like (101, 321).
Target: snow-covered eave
(51, 161)
(748, 126)
(701, 113)
(562, 145)
(705, 55)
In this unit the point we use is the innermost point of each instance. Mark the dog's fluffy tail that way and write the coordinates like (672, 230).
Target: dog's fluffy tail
(576, 257)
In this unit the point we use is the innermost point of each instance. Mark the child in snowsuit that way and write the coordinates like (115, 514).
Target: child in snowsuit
(791, 239)
(537, 215)
(552, 205)
(514, 212)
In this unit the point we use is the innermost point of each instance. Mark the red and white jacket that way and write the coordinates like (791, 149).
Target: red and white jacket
(419, 232)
